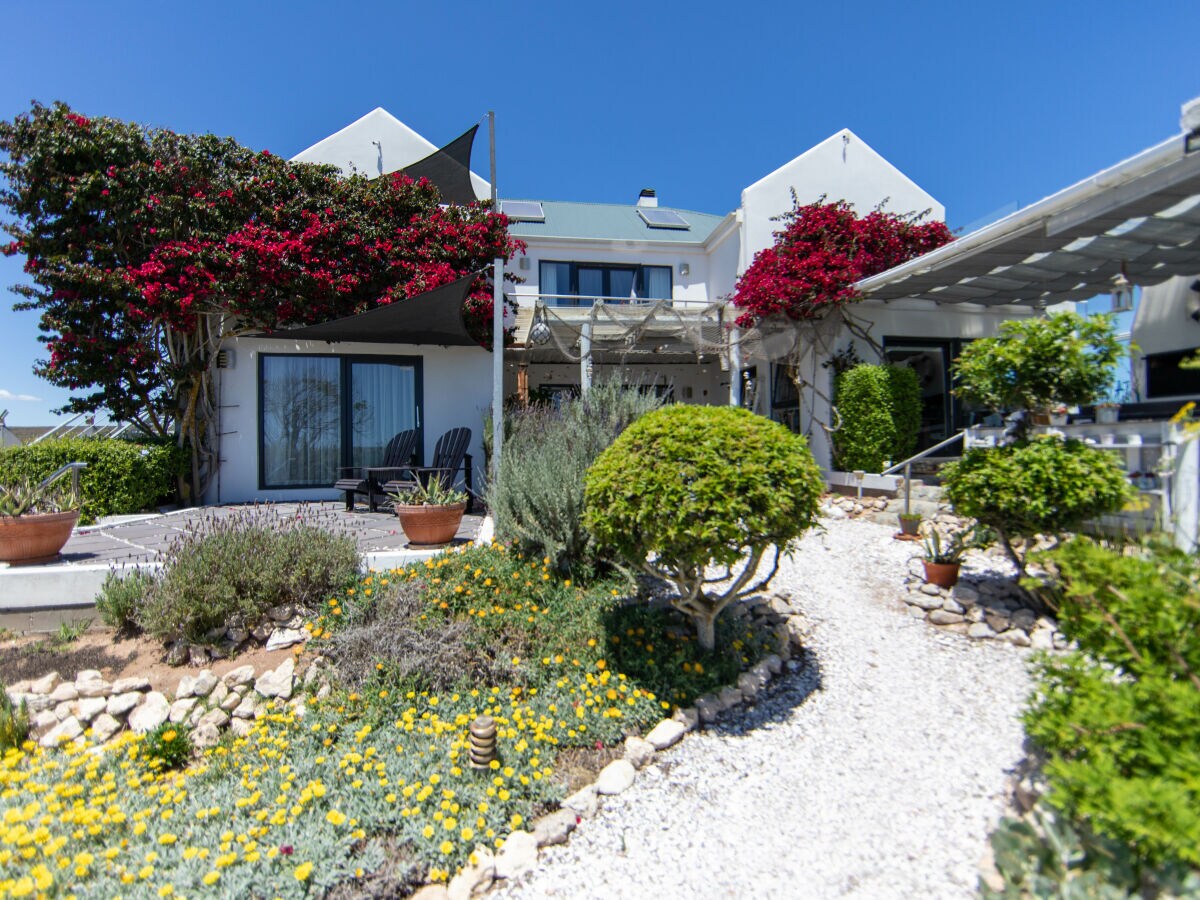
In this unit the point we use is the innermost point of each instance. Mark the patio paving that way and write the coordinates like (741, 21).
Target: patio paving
(93, 551)
(144, 540)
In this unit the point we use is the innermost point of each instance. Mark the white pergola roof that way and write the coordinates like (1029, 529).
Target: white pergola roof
(1141, 216)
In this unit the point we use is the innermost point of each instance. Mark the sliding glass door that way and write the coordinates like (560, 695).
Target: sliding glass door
(317, 413)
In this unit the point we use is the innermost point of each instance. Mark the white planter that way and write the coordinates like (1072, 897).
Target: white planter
(1107, 413)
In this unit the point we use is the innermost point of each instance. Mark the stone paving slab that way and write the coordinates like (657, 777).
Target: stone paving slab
(144, 540)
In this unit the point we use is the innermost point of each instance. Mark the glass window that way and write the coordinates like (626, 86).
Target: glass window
(560, 282)
(318, 413)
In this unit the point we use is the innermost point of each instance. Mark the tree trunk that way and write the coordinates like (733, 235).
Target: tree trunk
(706, 632)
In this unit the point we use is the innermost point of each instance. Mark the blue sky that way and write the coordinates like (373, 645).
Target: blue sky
(983, 105)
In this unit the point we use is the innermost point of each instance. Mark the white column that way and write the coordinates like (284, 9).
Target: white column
(735, 366)
(585, 354)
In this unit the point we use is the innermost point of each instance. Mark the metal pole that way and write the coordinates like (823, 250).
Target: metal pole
(735, 367)
(908, 488)
(497, 322)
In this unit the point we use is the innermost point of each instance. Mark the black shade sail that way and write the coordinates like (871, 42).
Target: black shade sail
(449, 169)
(434, 317)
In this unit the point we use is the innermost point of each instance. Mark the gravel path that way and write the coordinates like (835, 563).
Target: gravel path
(876, 771)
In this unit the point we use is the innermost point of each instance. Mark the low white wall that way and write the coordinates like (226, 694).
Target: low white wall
(457, 387)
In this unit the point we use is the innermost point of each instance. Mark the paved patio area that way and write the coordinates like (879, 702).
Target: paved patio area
(132, 540)
(93, 551)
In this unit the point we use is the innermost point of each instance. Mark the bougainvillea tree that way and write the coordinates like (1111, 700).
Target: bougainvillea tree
(802, 284)
(146, 248)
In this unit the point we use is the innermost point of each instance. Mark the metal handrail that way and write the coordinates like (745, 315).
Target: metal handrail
(907, 465)
(73, 467)
(61, 425)
(584, 301)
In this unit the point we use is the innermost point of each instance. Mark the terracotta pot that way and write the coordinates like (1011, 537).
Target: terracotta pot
(944, 575)
(1039, 417)
(37, 538)
(910, 525)
(430, 524)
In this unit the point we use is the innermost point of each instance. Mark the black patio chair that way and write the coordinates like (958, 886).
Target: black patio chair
(368, 480)
(450, 456)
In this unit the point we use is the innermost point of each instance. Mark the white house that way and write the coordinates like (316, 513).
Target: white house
(634, 290)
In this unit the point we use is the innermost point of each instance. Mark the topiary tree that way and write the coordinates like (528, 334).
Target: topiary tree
(1036, 363)
(880, 408)
(1042, 486)
(686, 488)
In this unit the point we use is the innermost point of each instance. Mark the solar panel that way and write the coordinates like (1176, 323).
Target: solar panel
(523, 210)
(662, 218)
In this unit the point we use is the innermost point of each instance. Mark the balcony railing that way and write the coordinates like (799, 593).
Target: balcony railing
(576, 301)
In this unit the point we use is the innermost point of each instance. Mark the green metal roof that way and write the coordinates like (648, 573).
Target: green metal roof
(612, 222)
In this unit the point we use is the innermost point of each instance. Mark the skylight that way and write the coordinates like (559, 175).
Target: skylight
(523, 210)
(656, 217)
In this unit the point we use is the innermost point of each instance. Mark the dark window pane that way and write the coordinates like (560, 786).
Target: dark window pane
(301, 420)
(383, 399)
(591, 282)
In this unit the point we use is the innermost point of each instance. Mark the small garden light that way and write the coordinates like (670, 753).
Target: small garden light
(483, 741)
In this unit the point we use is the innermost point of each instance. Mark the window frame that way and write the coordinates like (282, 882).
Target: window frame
(574, 266)
(346, 408)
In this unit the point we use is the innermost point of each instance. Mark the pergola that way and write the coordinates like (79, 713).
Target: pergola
(1139, 219)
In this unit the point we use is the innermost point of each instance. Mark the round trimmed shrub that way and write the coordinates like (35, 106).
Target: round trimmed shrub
(687, 487)
(1041, 486)
(880, 409)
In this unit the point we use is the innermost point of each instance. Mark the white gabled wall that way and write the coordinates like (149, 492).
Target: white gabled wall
(457, 392)
(376, 144)
(842, 167)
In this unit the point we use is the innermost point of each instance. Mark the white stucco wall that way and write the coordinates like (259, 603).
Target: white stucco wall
(1163, 323)
(842, 167)
(457, 391)
(379, 143)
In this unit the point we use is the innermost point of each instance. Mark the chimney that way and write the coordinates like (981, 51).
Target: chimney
(647, 197)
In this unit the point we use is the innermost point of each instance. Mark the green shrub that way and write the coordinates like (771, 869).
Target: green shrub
(1044, 486)
(121, 476)
(236, 567)
(695, 486)
(880, 411)
(167, 746)
(14, 722)
(121, 597)
(1039, 362)
(538, 501)
(1049, 856)
(1120, 719)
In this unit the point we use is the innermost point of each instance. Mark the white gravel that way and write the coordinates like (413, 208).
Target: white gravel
(876, 771)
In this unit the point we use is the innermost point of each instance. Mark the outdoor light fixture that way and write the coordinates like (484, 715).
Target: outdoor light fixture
(685, 269)
(1122, 292)
(540, 332)
(483, 741)
(523, 262)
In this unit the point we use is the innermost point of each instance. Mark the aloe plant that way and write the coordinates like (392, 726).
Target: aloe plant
(25, 496)
(950, 549)
(433, 493)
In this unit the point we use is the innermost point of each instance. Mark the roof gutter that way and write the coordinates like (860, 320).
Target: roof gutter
(1032, 217)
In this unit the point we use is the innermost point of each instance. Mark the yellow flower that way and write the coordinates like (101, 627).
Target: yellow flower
(427, 831)
(169, 736)
(446, 847)
(211, 878)
(303, 870)
(333, 817)
(166, 890)
(167, 838)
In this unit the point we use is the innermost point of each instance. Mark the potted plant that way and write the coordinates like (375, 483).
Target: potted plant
(1108, 410)
(35, 521)
(1058, 414)
(430, 513)
(943, 556)
(910, 523)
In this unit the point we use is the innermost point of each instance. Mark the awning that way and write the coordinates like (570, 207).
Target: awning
(434, 317)
(1140, 217)
(449, 169)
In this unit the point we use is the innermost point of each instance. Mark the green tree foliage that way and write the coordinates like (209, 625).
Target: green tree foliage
(1120, 718)
(689, 487)
(880, 410)
(121, 476)
(538, 500)
(1042, 486)
(1039, 362)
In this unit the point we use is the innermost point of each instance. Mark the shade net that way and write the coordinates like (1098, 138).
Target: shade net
(449, 169)
(434, 317)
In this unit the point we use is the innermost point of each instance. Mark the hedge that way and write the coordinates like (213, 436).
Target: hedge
(880, 410)
(121, 476)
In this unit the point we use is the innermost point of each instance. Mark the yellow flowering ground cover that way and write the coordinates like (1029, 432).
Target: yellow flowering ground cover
(308, 801)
